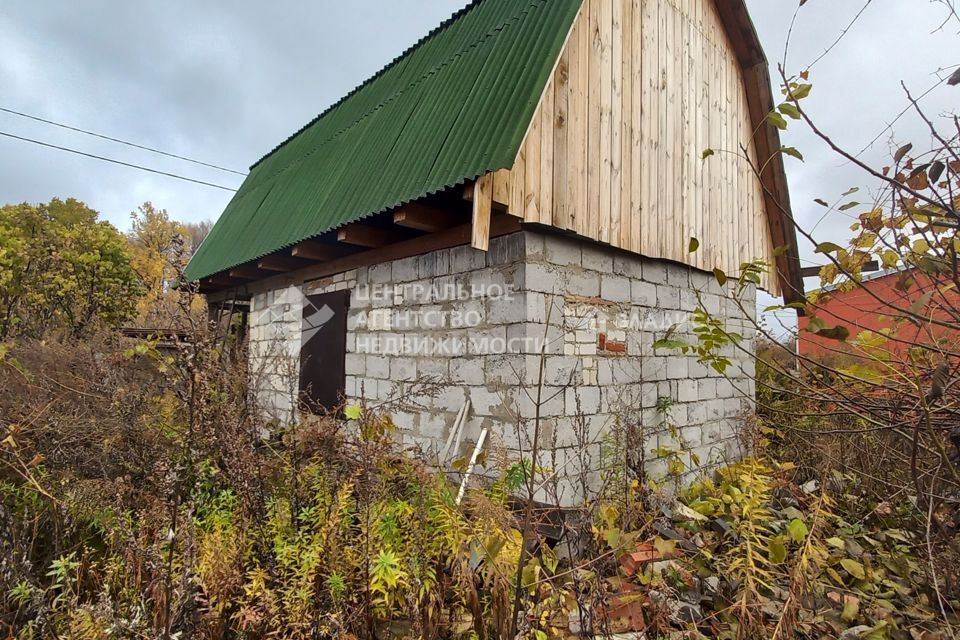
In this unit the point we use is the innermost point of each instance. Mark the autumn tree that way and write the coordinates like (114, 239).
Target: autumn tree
(62, 269)
(158, 247)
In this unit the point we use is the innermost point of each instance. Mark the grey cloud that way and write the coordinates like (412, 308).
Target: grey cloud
(225, 82)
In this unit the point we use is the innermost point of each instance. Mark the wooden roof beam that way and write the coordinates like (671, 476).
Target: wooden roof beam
(313, 250)
(424, 218)
(246, 273)
(281, 263)
(222, 280)
(366, 236)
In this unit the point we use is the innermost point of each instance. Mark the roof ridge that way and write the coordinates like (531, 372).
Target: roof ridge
(491, 33)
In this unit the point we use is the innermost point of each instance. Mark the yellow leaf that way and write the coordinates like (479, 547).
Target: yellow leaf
(854, 568)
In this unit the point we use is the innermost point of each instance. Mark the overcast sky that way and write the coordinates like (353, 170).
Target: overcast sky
(224, 82)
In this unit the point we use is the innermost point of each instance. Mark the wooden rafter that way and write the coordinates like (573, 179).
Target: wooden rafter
(313, 250)
(424, 218)
(364, 235)
(456, 236)
(246, 273)
(281, 263)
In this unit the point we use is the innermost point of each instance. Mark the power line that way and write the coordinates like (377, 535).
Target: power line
(125, 164)
(117, 140)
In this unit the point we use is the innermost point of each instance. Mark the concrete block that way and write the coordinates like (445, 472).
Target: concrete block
(583, 283)
(536, 305)
(541, 277)
(733, 407)
(435, 426)
(697, 369)
(380, 273)
(677, 367)
(562, 251)
(434, 367)
(697, 412)
(561, 370)
(485, 402)
(581, 400)
(688, 391)
(404, 369)
(668, 297)
(507, 310)
(467, 371)
(451, 399)
(433, 264)
(487, 340)
(355, 364)
(653, 368)
(688, 300)
(678, 276)
(534, 244)
(405, 421)
(629, 265)
(377, 367)
(724, 388)
(466, 258)
(615, 288)
(597, 258)
(712, 410)
(655, 271)
(506, 249)
(643, 293)
(405, 270)
(707, 389)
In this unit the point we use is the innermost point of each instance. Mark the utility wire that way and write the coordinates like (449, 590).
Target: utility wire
(125, 164)
(117, 140)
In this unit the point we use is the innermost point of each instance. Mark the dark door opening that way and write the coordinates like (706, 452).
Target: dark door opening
(323, 349)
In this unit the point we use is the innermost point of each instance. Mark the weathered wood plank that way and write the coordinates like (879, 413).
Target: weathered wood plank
(482, 207)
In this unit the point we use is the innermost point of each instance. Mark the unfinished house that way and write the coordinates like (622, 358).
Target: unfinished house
(507, 209)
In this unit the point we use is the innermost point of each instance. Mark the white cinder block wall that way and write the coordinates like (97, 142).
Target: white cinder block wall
(476, 323)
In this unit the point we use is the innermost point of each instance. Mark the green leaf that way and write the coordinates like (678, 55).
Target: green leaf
(854, 568)
(838, 332)
(849, 205)
(851, 608)
(801, 91)
(665, 547)
(850, 191)
(798, 530)
(777, 120)
(666, 343)
(353, 412)
(777, 550)
(693, 246)
(789, 110)
(793, 152)
(822, 202)
(720, 276)
(707, 153)
(902, 151)
(828, 247)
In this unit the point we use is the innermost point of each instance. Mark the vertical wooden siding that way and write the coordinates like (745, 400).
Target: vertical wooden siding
(614, 151)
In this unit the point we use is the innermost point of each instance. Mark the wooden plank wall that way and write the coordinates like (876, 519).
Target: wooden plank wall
(614, 150)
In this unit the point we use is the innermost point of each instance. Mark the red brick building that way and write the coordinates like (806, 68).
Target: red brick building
(883, 304)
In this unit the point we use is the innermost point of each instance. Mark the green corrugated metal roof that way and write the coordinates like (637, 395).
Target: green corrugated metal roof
(454, 106)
